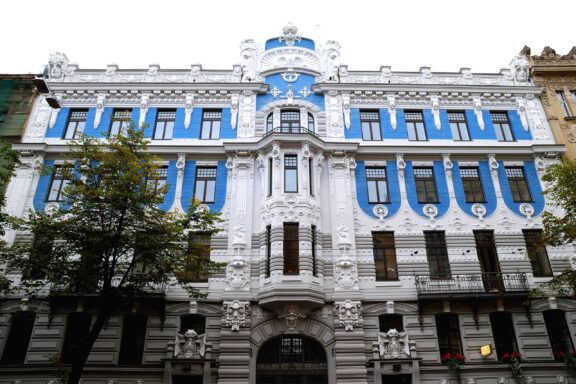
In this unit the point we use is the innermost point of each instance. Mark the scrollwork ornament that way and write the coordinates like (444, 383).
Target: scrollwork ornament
(348, 313)
(526, 210)
(478, 210)
(380, 211)
(430, 210)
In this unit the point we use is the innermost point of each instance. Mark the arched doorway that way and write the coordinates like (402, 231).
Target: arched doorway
(291, 359)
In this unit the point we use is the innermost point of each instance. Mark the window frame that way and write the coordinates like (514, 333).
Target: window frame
(461, 125)
(311, 123)
(268, 240)
(521, 196)
(212, 120)
(424, 183)
(291, 167)
(313, 250)
(270, 175)
(437, 254)
(160, 179)
(561, 98)
(384, 252)
(373, 123)
(270, 122)
(394, 321)
(503, 135)
(162, 119)
(288, 125)
(205, 180)
(377, 182)
(560, 330)
(471, 194)
(123, 122)
(74, 336)
(291, 249)
(73, 122)
(445, 326)
(63, 183)
(412, 125)
(537, 253)
(130, 338)
(508, 332)
(198, 256)
(14, 352)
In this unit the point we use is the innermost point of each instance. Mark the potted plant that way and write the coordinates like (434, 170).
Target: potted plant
(514, 359)
(453, 361)
(569, 359)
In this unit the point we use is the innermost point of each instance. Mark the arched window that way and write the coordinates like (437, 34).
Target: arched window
(290, 121)
(270, 122)
(311, 125)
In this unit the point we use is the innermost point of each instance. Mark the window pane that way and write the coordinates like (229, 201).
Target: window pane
(210, 191)
(372, 192)
(16, 345)
(133, 337)
(366, 131)
(421, 131)
(376, 131)
(383, 191)
(199, 192)
(503, 332)
(411, 131)
(159, 133)
(206, 129)
(291, 250)
(384, 256)
(558, 332)
(536, 251)
(437, 254)
(215, 130)
(55, 190)
(77, 330)
(448, 333)
(291, 183)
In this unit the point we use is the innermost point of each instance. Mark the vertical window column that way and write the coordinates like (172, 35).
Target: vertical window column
(291, 249)
(537, 254)
(437, 254)
(16, 345)
(290, 173)
(133, 338)
(448, 329)
(518, 184)
(384, 256)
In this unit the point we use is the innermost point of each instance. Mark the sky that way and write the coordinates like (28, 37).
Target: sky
(406, 34)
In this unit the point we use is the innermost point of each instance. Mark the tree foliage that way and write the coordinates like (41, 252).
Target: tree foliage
(560, 224)
(109, 240)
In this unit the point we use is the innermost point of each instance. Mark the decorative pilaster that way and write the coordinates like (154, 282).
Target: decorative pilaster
(478, 111)
(392, 110)
(188, 108)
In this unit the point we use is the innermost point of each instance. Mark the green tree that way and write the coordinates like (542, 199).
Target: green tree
(560, 224)
(110, 241)
(8, 160)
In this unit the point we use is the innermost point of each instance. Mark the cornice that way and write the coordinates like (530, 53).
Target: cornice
(151, 87)
(433, 89)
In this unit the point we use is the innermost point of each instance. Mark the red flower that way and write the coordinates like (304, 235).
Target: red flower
(459, 357)
(505, 356)
(447, 356)
(516, 355)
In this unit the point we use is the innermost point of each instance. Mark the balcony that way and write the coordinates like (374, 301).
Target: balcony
(473, 285)
(290, 131)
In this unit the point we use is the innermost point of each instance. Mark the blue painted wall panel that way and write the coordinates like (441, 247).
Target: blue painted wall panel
(226, 131)
(303, 43)
(393, 189)
(171, 182)
(517, 128)
(57, 131)
(533, 183)
(276, 80)
(401, 131)
(431, 132)
(355, 130)
(445, 133)
(150, 122)
(42, 189)
(441, 188)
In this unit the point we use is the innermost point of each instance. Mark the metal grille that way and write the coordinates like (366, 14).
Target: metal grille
(469, 173)
(290, 116)
(121, 115)
(212, 115)
(369, 116)
(414, 116)
(473, 283)
(500, 117)
(161, 173)
(79, 115)
(423, 173)
(456, 116)
(206, 172)
(514, 172)
(290, 161)
(376, 173)
(167, 115)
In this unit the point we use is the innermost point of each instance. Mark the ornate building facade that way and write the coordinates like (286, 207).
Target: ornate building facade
(374, 222)
(556, 74)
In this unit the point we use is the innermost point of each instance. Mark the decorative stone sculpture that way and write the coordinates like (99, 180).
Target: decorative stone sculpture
(331, 57)
(519, 69)
(235, 313)
(290, 35)
(190, 345)
(57, 65)
(393, 344)
(249, 60)
(347, 313)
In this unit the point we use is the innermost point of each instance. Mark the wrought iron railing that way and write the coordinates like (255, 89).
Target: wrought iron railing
(290, 130)
(491, 283)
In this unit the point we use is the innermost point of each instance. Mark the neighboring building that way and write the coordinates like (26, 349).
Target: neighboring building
(354, 202)
(17, 95)
(556, 74)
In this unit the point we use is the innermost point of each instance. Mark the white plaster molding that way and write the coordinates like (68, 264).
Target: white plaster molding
(478, 111)
(235, 313)
(392, 111)
(348, 313)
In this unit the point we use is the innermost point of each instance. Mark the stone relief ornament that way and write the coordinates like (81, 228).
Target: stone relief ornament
(331, 59)
(346, 109)
(478, 210)
(53, 116)
(249, 60)
(504, 220)
(519, 69)
(190, 345)
(493, 163)
(235, 313)
(237, 272)
(392, 111)
(291, 316)
(478, 111)
(457, 222)
(57, 65)
(181, 163)
(188, 107)
(430, 210)
(347, 314)
(448, 165)
(346, 274)
(51, 208)
(393, 344)
(435, 100)
(290, 36)
(143, 109)
(527, 210)
(521, 107)
(380, 211)
(41, 119)
(99, 109)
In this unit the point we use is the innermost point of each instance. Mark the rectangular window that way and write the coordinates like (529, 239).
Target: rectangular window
(558, 331)
(290, 173)
(291, 250)
(370, 123)
(195, 322)
(268, 249)
(198, 262)
(437, 254)
(384, 256)
(211, 121)
(472, 184)
(313, 250)
(489, 262)
(503, 332)
(563, 103)
(159, 180)
(76, 124)
(133, 338)
(573, 93)
(415, 125)
(377, 185)
(77, 330)
(311, 175)
(205, 188)
(537, 252)
(518, 184)
(40, 256)
(448, 330)
(458, 126)
(391, 321)
(165, 120)
(270, 174)
(57, 185)
(120, 122)
(16, 346)
(425, 185)
(502, 126)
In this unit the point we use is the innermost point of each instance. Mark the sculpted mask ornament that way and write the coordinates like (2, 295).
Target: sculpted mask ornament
(478, 111)
(189, 106)
(291, 316)
(249, 59)
(181, 163)
(235, 313)
(190, 345)
(290, 35)
(57, 65)
(392, 111)
(492, 162)
(331, 55)
(347, 314)
(393, 344)
(519, 68)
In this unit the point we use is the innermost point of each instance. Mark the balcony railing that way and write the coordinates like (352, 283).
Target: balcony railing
(478, 283)
(290, 131)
